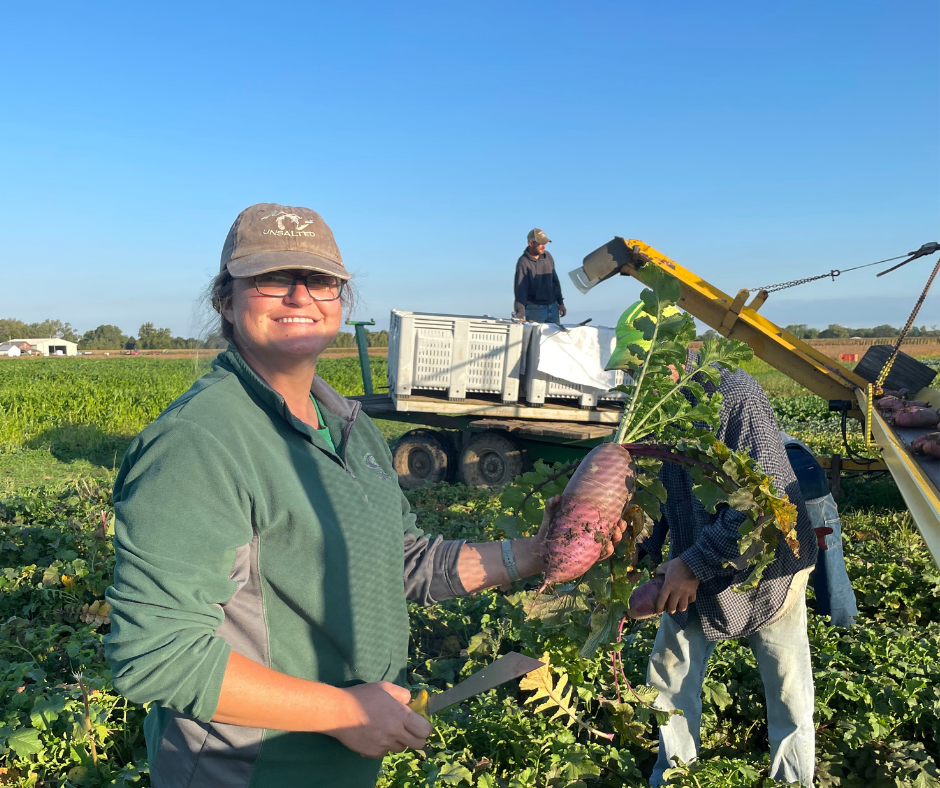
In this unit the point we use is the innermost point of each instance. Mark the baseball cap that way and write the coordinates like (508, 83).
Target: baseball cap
(271, 237)
(538, 236)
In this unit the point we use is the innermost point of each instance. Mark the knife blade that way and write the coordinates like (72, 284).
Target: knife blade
(506, 668)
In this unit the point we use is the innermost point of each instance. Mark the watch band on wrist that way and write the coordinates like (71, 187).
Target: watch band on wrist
(509, 560)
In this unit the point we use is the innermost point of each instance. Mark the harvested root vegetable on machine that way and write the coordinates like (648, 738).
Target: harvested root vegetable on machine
(891, 404)
(668, 417)
(927, 444)
(917, 417)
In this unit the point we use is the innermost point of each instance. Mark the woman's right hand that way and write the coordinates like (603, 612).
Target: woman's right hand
(377, 721)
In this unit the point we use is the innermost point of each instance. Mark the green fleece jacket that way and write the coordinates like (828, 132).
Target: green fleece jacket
(239, 528)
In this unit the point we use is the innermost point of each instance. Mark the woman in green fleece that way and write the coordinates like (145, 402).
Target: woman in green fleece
(265, 551)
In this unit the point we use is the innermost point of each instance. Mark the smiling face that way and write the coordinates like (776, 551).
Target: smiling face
(272, 328)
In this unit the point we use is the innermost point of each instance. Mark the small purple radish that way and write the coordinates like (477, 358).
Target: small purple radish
(644, 597)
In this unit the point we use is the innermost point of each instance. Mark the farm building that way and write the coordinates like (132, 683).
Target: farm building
(15, 348)
(51, 346)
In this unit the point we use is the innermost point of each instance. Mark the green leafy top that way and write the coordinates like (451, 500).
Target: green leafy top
(653, 336)
(660, 424)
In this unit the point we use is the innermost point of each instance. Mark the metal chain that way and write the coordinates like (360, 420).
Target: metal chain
(882, 376)
(876, 387)
(833, 273)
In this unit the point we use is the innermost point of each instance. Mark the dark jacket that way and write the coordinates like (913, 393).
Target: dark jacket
(536, 282)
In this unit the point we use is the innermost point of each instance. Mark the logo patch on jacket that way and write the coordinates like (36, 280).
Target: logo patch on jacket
(379, 470)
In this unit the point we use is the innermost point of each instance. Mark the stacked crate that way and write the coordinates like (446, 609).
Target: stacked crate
(459, 354)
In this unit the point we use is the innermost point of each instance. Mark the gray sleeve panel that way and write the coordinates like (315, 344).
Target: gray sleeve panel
(431, 569)
(194, 753)
(244, 626)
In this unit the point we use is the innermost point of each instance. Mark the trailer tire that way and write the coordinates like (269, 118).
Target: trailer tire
(420, 458)
(490, 459)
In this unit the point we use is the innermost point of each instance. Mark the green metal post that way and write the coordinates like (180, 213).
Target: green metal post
(363, 346)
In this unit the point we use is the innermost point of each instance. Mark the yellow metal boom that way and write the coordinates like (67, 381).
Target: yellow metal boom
(732, 317)
(735, 318)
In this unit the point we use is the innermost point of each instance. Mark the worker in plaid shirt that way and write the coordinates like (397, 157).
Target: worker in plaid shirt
(700, 607)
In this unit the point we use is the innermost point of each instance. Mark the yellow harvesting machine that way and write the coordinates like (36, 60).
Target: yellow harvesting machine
(917, 476)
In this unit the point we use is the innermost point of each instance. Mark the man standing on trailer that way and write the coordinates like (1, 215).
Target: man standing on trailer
(700, 606)
(537, 289)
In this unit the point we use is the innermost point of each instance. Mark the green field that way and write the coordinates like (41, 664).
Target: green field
(64, 425)
(71, 418)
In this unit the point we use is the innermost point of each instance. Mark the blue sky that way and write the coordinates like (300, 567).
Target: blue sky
(751, 142)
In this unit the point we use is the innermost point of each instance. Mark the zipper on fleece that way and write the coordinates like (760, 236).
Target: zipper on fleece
(345, 441)
(356, 407)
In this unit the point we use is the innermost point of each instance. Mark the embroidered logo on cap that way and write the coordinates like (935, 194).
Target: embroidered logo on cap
(299, 225)
(373, 464)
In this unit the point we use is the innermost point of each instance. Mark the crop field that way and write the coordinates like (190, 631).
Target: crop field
(64, 425)
(66, 418)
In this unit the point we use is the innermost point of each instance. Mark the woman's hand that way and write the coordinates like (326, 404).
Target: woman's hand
(377, 721)
(551, 505)
(481, 565)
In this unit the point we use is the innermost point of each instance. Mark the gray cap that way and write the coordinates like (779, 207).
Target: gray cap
(271, 237)
(538, 236)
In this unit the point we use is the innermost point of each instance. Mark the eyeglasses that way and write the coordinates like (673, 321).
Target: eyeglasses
(279, 285)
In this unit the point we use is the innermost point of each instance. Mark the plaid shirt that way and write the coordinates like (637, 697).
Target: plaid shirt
(706, 541)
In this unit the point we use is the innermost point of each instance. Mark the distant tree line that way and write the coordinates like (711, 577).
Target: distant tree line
(835, 331)
(104, 337)
(373, 339)
(149, 337)
(16, 329)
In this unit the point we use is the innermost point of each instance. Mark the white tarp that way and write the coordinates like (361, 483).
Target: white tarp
(577, 355)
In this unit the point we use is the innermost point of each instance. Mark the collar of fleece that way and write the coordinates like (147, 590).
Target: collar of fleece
(325, 394)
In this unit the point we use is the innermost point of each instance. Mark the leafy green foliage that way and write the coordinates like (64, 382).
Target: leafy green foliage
(652, 343)
(556, 696)
(880, 679)
(73, 405)
(57, 557)
(658, 409)
(877, 685)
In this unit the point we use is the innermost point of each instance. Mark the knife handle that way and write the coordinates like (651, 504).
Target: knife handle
(420, 704)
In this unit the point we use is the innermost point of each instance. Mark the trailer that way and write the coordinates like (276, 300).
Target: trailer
(484, 443)
(485, 410)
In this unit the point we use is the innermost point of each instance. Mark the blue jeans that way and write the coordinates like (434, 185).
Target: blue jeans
(542, 313)
(677, 669)
(834, 595)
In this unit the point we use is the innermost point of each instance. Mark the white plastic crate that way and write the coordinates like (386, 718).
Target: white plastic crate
(541, 385)
(459, 354)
